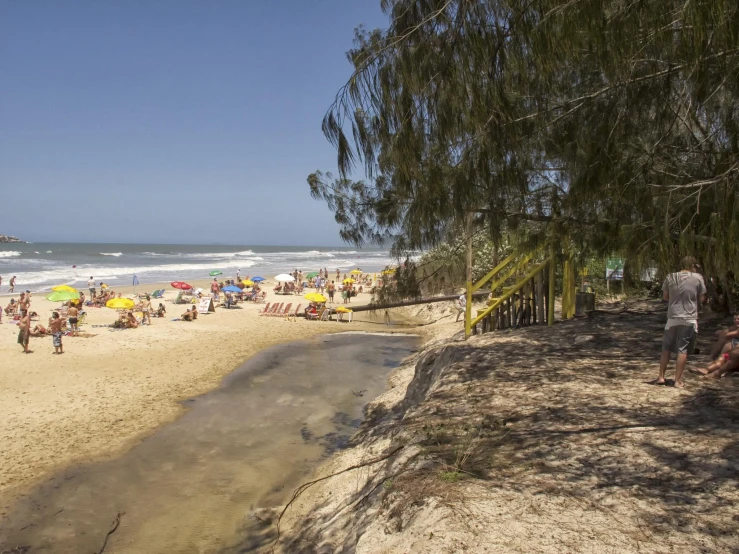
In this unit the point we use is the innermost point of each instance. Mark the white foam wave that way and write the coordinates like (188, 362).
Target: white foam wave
(48, 252)
(116, 254)
(9, 254)
(80, 274)
(36, 252)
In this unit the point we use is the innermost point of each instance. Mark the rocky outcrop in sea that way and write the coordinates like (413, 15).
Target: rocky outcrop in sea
(9, 238)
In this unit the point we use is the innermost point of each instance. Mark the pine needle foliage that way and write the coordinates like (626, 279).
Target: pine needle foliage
(609, 126)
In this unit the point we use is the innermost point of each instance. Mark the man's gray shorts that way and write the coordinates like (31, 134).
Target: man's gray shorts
(679, 339)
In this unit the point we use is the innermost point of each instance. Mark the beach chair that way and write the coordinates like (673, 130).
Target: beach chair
(158, 293)
(286, 311)
(279, 312)
(316, 316)
(275, 309)
(266, 308)
(294, 314)
(325, 315)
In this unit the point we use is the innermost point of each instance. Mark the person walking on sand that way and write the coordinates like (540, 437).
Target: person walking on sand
(55, 327)
(73, 321)
(145, 309)
(461, 306)
(684, 291)
(11, 288)
(91, 287)
(24, 332)
(331, 290)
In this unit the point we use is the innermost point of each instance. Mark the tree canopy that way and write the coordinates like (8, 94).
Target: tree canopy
(611, 124)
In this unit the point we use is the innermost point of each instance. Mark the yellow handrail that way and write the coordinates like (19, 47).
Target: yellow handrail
(514, 289)
(494, 271)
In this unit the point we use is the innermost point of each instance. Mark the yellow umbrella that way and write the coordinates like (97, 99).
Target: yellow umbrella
(388, 271)
(248, 283)
(315, 297)
(120, 304)
(67, 288)
(356, 272)
(343, 310)
(348, 281)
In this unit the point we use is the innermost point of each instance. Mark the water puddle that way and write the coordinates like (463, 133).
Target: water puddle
(191, 485)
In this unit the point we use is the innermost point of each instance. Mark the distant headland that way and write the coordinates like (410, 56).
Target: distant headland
(8, 238)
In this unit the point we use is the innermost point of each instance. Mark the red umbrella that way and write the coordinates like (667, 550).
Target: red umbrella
(180, 285)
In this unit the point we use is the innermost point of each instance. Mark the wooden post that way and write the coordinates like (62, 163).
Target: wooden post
(566, 288)
(540, 299)
(468, 303)
(550, 298)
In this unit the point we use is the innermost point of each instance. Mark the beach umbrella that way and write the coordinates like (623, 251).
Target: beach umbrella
(388, 271)
(248, 283)
(257, 279)
(343, 310)
(348, 281)
(63, 296)
(284, 278)
(312, 274)
(356, 272)
(180, 285)
(120, 304)
(232, 288)
(215, 273)
(67, 288)
(315, 297)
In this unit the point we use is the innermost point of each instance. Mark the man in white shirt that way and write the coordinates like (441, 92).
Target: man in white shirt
(91, 286)
(684, 291)
(461, 305)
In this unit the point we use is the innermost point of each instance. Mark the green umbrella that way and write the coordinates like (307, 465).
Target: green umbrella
(62, 296)
(214, 273)
(311, 275)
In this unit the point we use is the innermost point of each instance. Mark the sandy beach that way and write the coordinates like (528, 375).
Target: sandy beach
(111, 389)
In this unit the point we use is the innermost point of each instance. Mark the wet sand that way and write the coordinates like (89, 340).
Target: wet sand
(190, 486)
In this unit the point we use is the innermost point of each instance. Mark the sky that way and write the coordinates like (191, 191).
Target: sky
(170, 120)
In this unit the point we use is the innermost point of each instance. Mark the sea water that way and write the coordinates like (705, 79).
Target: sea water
(39, 266)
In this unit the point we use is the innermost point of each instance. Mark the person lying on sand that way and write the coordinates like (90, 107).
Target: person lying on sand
(38, 331)
(726, 339)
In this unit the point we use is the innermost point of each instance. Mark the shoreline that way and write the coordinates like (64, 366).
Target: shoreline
(111, 390)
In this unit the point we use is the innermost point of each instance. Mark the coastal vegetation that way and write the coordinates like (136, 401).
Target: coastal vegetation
(606, 127)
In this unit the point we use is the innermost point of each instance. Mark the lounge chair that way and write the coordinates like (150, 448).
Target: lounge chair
(158, 293)
(316, 316)
(294, 314)
(279, 311)
(272, 310)
(266, 308)
(286, 311)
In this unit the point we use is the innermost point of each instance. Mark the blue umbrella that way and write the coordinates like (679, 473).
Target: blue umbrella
(257, 279)
(231, 288)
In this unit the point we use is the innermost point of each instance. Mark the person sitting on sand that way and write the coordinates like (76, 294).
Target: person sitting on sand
(278, 288)
(727, 339)
(190, 315)
(12, 308)
(161, 310)
(727, 362)
(131, 321)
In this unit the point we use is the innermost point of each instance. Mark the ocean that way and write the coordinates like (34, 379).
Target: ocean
(40, 266)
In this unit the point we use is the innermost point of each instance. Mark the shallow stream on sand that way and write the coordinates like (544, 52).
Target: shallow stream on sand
(191, 485)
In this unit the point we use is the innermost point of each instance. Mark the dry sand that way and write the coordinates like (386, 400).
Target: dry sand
(542, 440)
(111, 389)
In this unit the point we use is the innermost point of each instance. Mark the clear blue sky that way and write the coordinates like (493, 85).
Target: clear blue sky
(170, 120)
